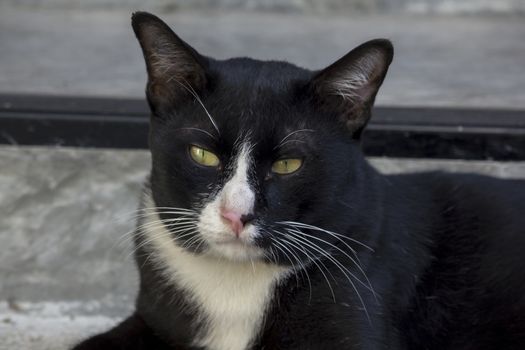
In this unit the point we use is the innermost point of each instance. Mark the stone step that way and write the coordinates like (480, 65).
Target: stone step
(439, 61)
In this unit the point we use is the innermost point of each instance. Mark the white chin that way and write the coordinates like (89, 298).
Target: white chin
(236, 251)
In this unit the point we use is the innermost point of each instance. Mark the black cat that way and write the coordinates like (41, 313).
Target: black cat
(263, 227)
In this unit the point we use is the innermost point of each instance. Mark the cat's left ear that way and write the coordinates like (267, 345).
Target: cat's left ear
(349, 86)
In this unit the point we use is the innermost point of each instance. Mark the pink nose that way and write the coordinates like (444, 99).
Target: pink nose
(234, 220)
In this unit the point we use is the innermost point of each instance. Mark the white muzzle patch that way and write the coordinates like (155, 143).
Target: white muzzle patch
(236, 196)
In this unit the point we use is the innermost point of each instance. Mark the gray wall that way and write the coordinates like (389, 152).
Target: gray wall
(299, 6)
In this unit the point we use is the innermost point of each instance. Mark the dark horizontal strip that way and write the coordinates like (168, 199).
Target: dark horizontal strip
(394, 131)
(458, 118)
(470, 146)
(69, 105)
(454, 117)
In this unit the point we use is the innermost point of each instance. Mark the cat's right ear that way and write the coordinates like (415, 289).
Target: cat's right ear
(175, 70)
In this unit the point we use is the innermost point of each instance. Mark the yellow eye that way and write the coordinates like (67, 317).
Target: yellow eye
(203, 157)
(286, 166)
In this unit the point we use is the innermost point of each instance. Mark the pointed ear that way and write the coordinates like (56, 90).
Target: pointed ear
(175, 70)
(349, 86)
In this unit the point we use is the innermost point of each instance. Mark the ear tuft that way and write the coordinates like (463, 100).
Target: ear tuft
(174, 68)
(362, 75)
(349, 86)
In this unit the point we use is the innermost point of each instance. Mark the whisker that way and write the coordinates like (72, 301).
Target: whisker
(314, 261)
(190, 89)
(150, 240)
(333, 259)
(199, 245)
(191, 241)
(337, 264)
(332, 234)
(147, 214)
(337, 236)
(147, 241)
(311, 257)
(169, 208)
(279, 246)
(368, 285)
(288, 141)
(158, 235)
(129, 236)
(171, 222)
(290, 134)
(180, 234)
(303, 268)
(282, 249)
(300, 224)
(200, 130)
(160, 209)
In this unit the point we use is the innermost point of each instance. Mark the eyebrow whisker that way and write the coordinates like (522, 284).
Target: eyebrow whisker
(200, 130)
(290, 134)
(288, 141)
(190, 89)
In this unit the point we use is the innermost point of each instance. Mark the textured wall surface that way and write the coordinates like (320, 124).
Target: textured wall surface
(473, 61)
(296, 6)
(65, 268)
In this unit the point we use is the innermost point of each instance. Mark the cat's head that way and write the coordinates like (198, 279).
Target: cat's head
(256, 159)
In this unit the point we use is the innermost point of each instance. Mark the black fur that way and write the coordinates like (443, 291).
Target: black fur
(447, 268)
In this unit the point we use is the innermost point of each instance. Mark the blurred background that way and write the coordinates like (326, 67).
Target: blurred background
(73, 123)
(448, 52)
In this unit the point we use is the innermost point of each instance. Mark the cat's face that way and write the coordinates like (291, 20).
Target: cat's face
(255, 160)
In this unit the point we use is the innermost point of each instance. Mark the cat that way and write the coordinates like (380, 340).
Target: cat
(262, 225)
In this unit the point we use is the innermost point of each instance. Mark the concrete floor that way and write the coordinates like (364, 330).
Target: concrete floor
(65, 266)
(64, 270)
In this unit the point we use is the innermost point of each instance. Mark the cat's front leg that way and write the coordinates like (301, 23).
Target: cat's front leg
(131, 334)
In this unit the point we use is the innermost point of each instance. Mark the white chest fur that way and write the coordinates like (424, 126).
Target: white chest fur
(232, 296)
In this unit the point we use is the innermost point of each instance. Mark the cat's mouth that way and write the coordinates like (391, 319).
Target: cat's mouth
(233, 241)
(234, 248)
